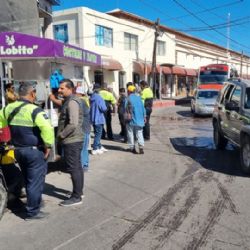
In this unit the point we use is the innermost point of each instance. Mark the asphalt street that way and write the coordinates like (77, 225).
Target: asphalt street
(181, 194)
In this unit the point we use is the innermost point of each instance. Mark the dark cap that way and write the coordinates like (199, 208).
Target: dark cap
(97, 86)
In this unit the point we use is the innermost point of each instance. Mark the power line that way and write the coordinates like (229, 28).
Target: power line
(201, 20)
(235, 22)
(215, 14)
(207, 10)
(179, 21)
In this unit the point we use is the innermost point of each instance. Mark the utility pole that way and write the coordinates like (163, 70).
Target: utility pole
(228, 39)
(241, 63)
(157, 33)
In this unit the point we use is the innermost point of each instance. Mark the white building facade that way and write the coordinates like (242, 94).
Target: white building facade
(125, 42)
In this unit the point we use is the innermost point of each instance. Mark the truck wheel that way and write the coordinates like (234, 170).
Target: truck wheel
(3, 198)
(245, 155)
(220, 141)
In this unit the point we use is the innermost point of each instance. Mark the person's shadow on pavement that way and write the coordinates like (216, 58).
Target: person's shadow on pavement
(52, 190)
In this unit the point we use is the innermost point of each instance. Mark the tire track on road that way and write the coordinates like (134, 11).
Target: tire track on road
(214, 213)
(164, 201)
(178, 218)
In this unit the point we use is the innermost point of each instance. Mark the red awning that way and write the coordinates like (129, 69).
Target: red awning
(166, 70)
(178, 71)
(141, 68)
(111, 64)
(191, 72)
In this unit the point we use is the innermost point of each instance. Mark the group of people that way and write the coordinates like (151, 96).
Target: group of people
(134, 111)
(33, 135)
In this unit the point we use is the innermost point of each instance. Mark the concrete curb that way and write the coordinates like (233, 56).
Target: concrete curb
(163, 103)
(170, 103)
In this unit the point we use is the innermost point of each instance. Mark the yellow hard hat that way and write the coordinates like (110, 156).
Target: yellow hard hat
(131, 88)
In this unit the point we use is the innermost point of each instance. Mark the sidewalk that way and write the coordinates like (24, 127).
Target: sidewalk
(169, 102)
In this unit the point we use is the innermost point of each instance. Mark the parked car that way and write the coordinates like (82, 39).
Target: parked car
(203, 101)
(231, 119)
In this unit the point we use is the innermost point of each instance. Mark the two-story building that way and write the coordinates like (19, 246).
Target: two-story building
(125, 42)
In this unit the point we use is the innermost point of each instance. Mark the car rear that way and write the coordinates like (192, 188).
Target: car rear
(205, 100)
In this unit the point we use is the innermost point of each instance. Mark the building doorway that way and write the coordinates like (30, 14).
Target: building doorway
(98, 77)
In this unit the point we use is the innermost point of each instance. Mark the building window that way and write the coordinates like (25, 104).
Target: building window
(61, 32)
(130, 42)
(103, 36)
(161, 48)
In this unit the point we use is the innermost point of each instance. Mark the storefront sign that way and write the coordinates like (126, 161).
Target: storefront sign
(17, 45)
(12, 49)
(72, 52)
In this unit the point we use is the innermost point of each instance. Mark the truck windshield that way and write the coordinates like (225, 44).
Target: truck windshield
(207, 94)
(212, 79)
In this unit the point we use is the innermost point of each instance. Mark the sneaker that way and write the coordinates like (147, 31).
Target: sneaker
(132, 150)
(96, 152)
(103, 149)
(41, 215)
(141, 151)
(69, 194)
(72, 201)
(85, 168)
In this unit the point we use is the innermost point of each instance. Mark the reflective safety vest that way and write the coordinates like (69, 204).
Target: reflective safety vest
(29, 127)
(147, 97)
(108, 97)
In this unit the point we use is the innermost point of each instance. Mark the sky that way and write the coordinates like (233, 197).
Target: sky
(205, 19)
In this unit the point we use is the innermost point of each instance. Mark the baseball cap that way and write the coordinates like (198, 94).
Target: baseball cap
(131, 88)
(97, 86)
(80, 90)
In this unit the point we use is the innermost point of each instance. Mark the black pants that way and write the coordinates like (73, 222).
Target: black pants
(34, 169)
(146, 128)
(123, 132)
(108, 119)
(72, 157)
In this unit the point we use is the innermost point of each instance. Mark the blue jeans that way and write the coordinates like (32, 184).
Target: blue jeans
(85, 151)
(34, 169)
(131, 129)
(97, 138)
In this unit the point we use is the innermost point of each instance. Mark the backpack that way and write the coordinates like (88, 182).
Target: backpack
(128, 111)
(5, 135)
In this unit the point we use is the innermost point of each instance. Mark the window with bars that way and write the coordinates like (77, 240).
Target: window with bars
(161, 48)
(103, 36)
(130, 42)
